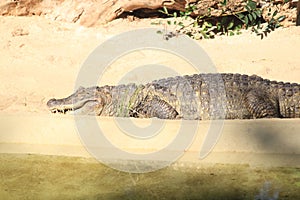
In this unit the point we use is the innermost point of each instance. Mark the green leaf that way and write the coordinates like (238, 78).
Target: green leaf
(175, 14)
(194, 8)
(240, 16)
(204, 35)
(159, 32)
(277, 26)
(248, 8)
(230, 25)
(250, 18)
(275, 13)
(254, 16)
(251, 4)
(246, 20)
(219, 26)
(209, 25)
(281, 18)
(238, 27)
(259, 25)
(258, 13)
(188, 13)
(195, 24)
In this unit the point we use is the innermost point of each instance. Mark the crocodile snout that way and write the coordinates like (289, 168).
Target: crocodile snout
(51, 103)
(56, 105)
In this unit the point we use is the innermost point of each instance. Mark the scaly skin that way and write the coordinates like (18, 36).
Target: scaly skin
(199, 96)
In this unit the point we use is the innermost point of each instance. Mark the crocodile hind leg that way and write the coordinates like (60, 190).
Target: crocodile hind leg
(260, 105)
(154, 107)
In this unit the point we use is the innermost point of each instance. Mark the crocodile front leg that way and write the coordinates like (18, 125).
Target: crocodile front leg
(154, 107)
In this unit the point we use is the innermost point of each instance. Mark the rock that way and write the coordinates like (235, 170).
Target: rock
(95, 12)
(20, 8)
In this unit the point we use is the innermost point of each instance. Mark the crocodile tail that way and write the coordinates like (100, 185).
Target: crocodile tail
(289, 100)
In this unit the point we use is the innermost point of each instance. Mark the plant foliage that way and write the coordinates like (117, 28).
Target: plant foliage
(207, 27)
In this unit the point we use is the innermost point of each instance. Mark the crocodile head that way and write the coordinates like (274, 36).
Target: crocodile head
(83, 101)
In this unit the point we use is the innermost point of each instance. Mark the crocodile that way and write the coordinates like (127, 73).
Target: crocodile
(190, 97)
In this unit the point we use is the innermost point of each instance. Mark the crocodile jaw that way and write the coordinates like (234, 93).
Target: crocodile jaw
(63, 106)
(84, 106)
(58, 106)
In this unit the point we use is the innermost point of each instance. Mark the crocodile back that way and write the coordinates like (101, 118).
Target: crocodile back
(224, 96)
(207, 96)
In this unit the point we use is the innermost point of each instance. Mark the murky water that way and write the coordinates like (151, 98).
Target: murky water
(57, 177)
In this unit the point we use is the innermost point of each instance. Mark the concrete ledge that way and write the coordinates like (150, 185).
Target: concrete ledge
(274, 142)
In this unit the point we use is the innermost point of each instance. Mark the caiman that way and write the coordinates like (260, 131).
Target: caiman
(191, 97)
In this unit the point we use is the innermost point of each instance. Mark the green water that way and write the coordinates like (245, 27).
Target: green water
(57, 177)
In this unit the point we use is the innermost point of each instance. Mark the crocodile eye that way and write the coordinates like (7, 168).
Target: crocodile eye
(80, 88)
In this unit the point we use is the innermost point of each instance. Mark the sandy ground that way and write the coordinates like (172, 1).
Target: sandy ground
(40, 59)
